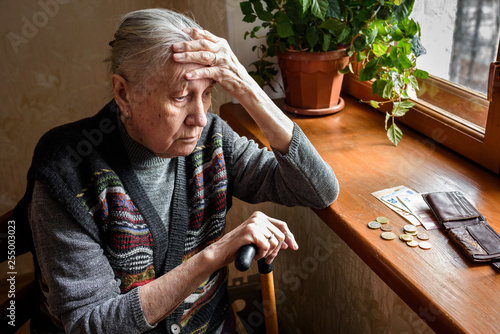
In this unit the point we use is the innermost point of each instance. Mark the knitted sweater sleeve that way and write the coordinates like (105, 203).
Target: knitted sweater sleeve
(81, 287)
(299, 177)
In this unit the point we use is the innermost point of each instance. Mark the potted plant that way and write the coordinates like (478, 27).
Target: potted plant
(377, 35)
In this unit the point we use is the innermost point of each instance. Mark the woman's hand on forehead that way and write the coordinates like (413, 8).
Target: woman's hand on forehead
(202, 50)
(220, 62)
(221, 65)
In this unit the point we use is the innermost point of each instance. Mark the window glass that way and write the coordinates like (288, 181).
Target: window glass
(461, 38)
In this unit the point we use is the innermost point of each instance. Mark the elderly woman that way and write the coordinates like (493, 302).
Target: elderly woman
(126, 209)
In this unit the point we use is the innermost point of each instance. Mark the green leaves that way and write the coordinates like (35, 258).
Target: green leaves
(369, 71)
(327, 40)
(394, 134)
(318, 7)
(416, 46)
(374, 104)
(421, 74)
(383, 14)
(252, 33)
(380, 49)
(383, 88)
(334, 10)
(409, 27)
(404, 47)
(312, 36)
(400, 108)
(283, 25)
(360, 43)
(404, 61)
(264, 73)
(378, 34)
(347, 69)
(247, 10)
(344, 35)
(402, 9)
(262, 14)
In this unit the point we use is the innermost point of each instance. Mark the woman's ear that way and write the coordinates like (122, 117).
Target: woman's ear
(121, 92)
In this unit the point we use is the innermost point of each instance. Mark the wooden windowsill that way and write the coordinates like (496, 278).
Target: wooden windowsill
(476, 143)
(449, 292)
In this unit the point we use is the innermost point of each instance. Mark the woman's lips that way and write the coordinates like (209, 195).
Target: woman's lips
(190, 138)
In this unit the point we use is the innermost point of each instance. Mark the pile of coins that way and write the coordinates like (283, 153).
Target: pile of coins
(410, 232)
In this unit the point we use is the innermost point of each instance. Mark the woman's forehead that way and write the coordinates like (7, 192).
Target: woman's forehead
(173, 76)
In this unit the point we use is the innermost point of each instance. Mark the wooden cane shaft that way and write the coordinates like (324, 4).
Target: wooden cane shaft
(269, 303)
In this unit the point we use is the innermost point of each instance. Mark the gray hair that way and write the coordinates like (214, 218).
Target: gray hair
(143, 42)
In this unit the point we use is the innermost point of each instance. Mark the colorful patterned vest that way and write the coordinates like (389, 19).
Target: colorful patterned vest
(101, 192)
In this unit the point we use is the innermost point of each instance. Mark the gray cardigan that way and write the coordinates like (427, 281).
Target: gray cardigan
(83, 291)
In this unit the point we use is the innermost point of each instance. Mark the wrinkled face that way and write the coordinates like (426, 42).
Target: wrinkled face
(168, 116)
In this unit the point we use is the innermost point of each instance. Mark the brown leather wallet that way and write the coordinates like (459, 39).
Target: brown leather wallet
(465, 226)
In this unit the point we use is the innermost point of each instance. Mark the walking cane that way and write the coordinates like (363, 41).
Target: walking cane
(243, 261)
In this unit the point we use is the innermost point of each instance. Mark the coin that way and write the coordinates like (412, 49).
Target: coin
(412, 243)
(386, 227)
(411, 233)
(374, 225)
(424, 245)
(423, 236)
(388, 235)
(410, 228)
(382, 220)
(406, 237)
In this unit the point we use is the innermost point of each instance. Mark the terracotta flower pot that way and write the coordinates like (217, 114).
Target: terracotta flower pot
(312, 81)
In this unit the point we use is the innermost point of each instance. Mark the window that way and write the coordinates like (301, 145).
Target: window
(460, 38)
(459, 35)
(459, 105)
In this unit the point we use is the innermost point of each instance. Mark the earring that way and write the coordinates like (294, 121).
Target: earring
(127, 115)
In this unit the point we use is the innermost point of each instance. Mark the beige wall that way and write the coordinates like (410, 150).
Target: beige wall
(54, 73)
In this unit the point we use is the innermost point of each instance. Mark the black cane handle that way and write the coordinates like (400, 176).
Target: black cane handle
(244, 260)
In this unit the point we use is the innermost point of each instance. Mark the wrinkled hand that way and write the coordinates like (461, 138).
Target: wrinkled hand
(270, 235)
(222, 65)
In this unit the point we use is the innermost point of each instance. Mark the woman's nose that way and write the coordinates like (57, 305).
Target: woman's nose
(197, 115)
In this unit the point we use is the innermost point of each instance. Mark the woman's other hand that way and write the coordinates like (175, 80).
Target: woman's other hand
(270, 235)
